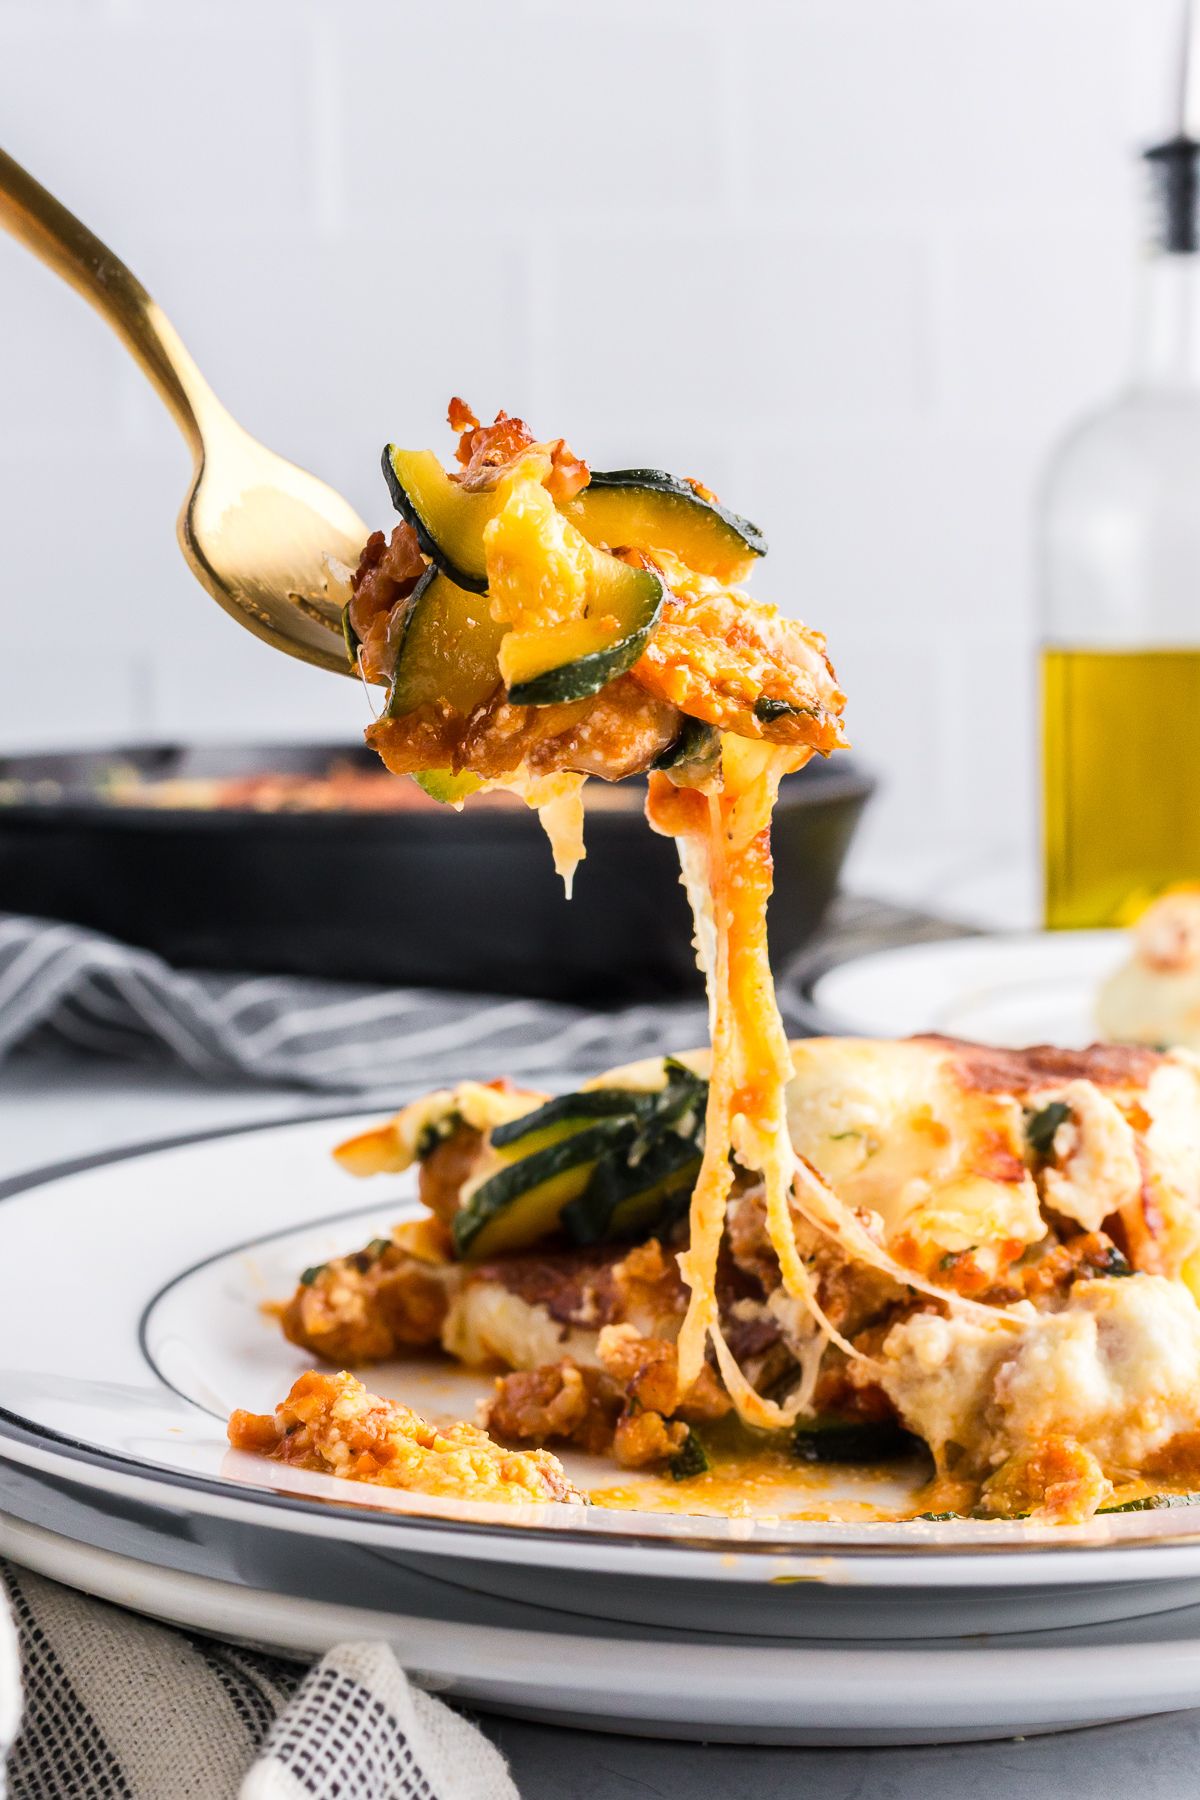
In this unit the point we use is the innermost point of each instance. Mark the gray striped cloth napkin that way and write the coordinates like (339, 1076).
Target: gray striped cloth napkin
(116, 1708)
(78, 987)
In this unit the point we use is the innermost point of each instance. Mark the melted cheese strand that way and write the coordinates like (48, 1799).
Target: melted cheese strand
(831, 1216)
(761, 1136)
(726, 862)
(697, 885)
(739, 993)
(557, 799)
(698, 1263)
(751, 1066)
(751, 1407)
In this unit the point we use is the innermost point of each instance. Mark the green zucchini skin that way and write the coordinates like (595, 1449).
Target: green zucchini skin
(602, 1164)
(673, 494)
(513, 1190)
(1040, 1127)
(1151, 1503)
(448, 649)
(643, 1186)
(851, 1441)
(438, 661)
(444, 786)
(586, 675)
(591, 1103)
(350, 635)
(693, 753)
(708, 535)
(437, 1130)
(1148, 1503)
(690, 1459)
(630, 1199)
(767, 710)
(580, 679)
(472, 576)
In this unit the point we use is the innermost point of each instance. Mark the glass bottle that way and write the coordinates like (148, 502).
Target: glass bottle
(1120, 568)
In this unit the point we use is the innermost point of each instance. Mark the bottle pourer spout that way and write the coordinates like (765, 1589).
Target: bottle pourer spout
(1175, 163)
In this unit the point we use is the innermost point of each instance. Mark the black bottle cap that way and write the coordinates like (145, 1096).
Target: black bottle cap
(1175, 189)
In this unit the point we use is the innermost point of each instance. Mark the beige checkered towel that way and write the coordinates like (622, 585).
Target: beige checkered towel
(117, 1708)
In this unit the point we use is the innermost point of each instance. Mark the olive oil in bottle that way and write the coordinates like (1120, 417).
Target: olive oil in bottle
(1120, 570)
(1121, 755)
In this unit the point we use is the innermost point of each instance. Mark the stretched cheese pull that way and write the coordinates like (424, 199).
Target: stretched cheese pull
(725, 834)
(613, 643)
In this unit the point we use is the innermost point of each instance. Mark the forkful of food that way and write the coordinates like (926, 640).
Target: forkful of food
(534, 623)
(528, 617)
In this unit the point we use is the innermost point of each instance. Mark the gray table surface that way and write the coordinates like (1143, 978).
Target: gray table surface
(54, 1107)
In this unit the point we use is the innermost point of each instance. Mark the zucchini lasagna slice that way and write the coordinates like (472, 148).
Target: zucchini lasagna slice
(846, 1245)
(997, 1246)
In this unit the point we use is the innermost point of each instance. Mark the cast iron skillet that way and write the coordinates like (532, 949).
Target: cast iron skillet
(427, 897)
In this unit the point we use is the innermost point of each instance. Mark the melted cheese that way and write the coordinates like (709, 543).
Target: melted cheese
(1114, 1370)
(726, 859)
(390, 1148)
(1095, 1171)
(894, 1131)
(487, 1324)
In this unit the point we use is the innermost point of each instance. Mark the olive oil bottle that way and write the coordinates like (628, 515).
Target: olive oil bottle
(1120, 573)
(1121, 755)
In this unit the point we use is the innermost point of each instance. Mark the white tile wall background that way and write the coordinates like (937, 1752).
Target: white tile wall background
(855, 262)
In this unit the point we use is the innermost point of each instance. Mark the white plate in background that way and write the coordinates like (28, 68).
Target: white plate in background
(1035, 987)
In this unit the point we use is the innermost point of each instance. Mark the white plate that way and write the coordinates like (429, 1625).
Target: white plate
(678, 1684)
(1032, 988)
(131, 1326)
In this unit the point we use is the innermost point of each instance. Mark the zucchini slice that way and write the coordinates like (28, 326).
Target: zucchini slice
(650, 510)
(834, 1440)
(570, 661)
(607, 1162)
(766, 710)
(350, 635)
(644, 509)
(567, 1113)
(1151, 1503)
(522, 1203)
(642, 1186)
(635, 1196)
(690, 1459)
(447, 519)
(544, 667)
(448, 653)
(693, 755)
(447, 787)
(1041, 1127)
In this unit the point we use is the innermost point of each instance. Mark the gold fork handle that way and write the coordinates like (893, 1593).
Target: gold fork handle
(65, 245)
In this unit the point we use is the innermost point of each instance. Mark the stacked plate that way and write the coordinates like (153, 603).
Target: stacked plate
(132, 1325)
(1036, 987)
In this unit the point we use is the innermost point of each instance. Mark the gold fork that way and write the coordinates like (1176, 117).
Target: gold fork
(256, 530)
